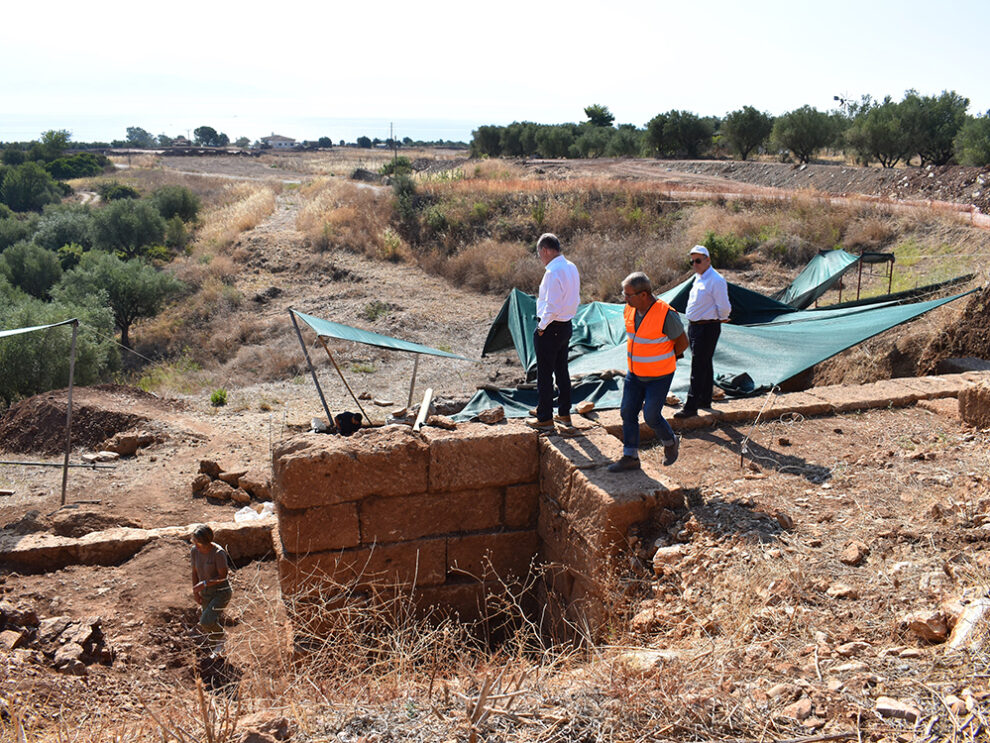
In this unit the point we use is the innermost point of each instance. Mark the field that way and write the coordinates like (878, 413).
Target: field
(786, 615)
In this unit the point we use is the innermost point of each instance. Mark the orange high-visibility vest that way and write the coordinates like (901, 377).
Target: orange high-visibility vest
(650, 353)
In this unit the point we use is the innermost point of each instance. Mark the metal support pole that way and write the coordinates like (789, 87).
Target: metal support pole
(859, 280)
(68, 410)
(413, 382)
(890, 277)
(312, 371)
(342, 379)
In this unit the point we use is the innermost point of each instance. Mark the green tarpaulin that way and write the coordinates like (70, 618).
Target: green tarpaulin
(770, 353)
(821, 274)
(328, 329)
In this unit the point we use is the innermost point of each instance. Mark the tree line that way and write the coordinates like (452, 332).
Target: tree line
(935, 130)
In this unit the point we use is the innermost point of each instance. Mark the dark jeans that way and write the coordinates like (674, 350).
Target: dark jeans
(551, 363)
(650, 397)
(703, 338)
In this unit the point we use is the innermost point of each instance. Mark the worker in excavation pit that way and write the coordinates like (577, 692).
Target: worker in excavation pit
(211, 588)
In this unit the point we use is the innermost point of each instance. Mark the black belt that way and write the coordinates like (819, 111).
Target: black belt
(702, 322)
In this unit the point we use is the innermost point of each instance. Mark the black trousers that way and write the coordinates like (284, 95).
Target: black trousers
(551, 363)
(703, 337)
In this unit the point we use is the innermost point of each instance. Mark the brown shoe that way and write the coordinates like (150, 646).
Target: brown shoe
(538, 424)
(564, 420)
(670, 452)
(626, 463)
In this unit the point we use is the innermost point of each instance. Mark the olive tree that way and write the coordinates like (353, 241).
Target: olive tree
(803, 131)
(746, 129)
(133, 288)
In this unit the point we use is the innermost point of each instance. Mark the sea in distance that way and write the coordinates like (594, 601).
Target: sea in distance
(110, 127)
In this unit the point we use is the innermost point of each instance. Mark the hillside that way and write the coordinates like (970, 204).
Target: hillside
(744, 637)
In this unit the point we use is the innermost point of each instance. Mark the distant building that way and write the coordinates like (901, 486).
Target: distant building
(181, 141)
(278, 142)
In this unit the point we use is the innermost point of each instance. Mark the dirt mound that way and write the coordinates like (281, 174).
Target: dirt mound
(969, 336)
(37, 424)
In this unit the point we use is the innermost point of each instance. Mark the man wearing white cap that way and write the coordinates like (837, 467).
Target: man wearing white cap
(707, 308)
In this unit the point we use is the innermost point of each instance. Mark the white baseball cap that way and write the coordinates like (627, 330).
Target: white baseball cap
(700, 249)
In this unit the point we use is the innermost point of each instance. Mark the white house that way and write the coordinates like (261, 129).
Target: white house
(278, 142)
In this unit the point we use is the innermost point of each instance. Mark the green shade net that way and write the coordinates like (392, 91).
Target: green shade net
(18, 331)
(769, 352)
(821, 274)
(327, 329)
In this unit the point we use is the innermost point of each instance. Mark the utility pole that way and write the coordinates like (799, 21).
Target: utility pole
(395, 147)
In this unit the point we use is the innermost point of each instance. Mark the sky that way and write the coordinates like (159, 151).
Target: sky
(439, 69)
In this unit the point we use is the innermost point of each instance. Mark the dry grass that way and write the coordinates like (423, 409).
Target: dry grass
(347, 216)
(243, 206)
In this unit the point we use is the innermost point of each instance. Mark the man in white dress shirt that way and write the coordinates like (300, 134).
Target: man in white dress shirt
(560, 292)
(707, 308)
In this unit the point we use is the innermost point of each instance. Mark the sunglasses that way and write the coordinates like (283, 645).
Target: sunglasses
(697, 260)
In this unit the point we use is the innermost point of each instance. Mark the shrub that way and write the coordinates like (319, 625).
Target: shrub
(83, 165)
(28, 187)
(13, 230)
(176, 233)
(114, 191)
(218, 398)
(726, 250)
(61, 225)
(176, 201)
(400, 165)
(30, 268)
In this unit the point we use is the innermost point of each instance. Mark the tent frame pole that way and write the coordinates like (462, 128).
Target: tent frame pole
(68, 410)
(312, 371)
(343, 379)
(412, 384)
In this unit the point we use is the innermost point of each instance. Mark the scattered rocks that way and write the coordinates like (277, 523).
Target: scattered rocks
(70, 645)
(239, 486)
(854, 553)
(492, 415)
(890, 707)
(930, 626)
(584, 408)
(126, 444)
(840, 590)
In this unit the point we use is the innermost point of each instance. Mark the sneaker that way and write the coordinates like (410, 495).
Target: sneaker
(563, 419)
(670, 452)
(686, 413)
(626, 463)
(538, 424)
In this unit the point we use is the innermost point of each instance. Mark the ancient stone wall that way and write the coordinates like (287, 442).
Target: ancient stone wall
(449, 516)
(453, 518)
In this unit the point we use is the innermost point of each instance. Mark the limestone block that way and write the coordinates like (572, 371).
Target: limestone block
(562, 546)
(739, 409)
(405, 517)
(219, 490)
(797, 402)
(478, 456)
(843, 398)
(233, 477)
(974, 405)
(420, 563)
(318, 528)
(257, 483)
(602, 505)
(487, 556)
(316, 469)
(521, 505)
(934, 387)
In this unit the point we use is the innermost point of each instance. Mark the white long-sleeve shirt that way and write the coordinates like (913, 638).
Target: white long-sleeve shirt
(709, 298)
(560, 292)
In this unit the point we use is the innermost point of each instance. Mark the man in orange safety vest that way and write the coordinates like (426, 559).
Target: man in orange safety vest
(655, 339)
